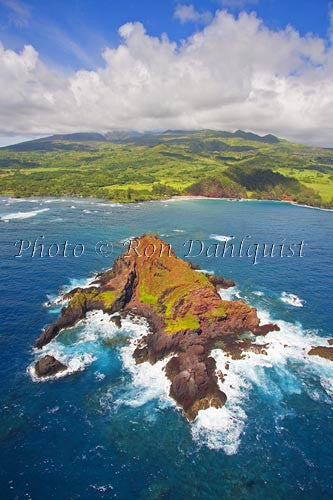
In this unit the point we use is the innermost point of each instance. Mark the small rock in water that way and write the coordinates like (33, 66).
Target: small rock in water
(116, 320)
(48, 366)
(322, 351)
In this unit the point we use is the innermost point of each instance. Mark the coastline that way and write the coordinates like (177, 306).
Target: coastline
(172, 199)
(192, 198)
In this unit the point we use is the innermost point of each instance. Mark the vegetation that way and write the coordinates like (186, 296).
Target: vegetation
(165, 285)
(127, 168)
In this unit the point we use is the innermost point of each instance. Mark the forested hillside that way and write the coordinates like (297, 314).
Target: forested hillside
(129, 167)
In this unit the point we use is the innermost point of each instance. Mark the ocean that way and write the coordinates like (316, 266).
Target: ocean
(107, 428)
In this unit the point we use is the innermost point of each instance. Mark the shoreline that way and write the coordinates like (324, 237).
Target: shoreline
(172, 199)
(240, 200)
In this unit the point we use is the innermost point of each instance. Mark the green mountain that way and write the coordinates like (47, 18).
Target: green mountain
(128, 166)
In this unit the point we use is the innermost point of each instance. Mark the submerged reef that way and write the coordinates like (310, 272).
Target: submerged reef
(186, 315)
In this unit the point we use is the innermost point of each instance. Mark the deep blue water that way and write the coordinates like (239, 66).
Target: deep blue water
(109, 429)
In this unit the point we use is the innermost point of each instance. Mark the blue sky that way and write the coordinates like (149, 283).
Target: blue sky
(73, 33)
(101, 65)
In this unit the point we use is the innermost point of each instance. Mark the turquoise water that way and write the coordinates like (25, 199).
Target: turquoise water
(109, 429)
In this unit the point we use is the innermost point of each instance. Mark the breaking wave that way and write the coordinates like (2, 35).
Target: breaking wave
(109, 204)
(229, 293)
(220, 237)
(269, 374)
(23, 215)
(127, 241)
(148, 381)
(75, 364)
(291, 299)
(84, 348)
(282, 368)
(21, 200)
(54, 300)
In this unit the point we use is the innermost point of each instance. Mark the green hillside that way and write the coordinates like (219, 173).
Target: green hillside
(130, 167)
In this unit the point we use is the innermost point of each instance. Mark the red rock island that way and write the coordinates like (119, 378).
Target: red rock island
(187, 318)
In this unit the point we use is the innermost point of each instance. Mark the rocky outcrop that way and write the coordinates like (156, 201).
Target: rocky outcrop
(116, 320)
(323, 351)
(220, 282)
(48, 366)
(187, 318)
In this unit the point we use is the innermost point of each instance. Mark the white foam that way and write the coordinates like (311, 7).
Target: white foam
(81, 282)
(65, 200)
(229, 293)
(127, 241)
(148, 381)
(309, 206)
(97, 325)
(290, 342)
(103, 488)
(21, 200)
(55, 409)
(109, 204)
(57, 219)
(291, 299)
(223, 428)
(258, 293)
(23, 215)
(220, 428)
(77, 363)
(59, 200)
(220, 237)
(178, 230)
(57, 300)
(327, 384)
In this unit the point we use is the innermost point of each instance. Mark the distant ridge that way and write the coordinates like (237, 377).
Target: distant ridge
(79, 136)
(121, 135)
(52, 142)
(61, 141)
(271, 139)
(250, 136)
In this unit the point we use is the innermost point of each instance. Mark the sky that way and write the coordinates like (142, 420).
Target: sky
(100, 65)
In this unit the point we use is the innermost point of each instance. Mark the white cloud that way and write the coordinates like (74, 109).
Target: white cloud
(187, 13)
(235, 73)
